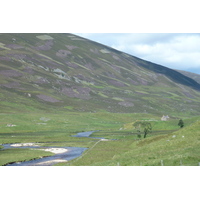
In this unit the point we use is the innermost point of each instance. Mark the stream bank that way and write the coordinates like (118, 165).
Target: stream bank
(62, 154)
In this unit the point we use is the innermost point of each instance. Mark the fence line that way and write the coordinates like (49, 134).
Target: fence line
(86, 151)
(181, 163)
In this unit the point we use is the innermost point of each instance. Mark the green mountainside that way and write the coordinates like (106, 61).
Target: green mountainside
(65, 72)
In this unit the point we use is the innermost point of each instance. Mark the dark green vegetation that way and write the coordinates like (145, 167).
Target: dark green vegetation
(181, 123)
(55, 85)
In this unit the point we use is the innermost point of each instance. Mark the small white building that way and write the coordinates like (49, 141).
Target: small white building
(164, 118)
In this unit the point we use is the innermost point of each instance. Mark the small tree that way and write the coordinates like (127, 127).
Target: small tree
(144, 126)
(181, 123)
(147, 129)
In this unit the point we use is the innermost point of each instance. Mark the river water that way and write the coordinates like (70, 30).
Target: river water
(86, 134)
(69, 154)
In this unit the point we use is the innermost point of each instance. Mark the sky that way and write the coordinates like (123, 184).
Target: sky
(167, 34)
(179, 51)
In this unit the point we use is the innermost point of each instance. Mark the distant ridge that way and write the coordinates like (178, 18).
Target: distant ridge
(191, 75)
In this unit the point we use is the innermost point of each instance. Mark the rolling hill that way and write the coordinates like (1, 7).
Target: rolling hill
(64, 72)
(194, 76)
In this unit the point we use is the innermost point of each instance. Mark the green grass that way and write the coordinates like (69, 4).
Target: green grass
(20, 155)
(51, 127)
(126, 150)
(173, 151)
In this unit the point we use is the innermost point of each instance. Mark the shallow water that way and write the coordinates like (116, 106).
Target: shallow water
(73, 152)
(83, 134)
(86, 134)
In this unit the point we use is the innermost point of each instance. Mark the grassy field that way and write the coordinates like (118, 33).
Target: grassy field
(126, 149)
(20, 155)
(173, 149)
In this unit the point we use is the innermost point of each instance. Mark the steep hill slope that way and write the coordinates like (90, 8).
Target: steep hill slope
(53, 72)
(194, 76)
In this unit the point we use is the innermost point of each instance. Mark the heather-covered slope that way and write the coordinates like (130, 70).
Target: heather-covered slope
(53, 72)
(194, 76)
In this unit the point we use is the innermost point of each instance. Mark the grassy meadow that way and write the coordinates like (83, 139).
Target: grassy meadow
(178, 148)
(164, 146)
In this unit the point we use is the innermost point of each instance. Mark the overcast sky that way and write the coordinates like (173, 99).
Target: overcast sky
(174, 50)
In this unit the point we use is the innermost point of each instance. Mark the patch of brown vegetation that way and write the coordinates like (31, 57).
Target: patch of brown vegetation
(63, 53)
(47, 46)
(117, 83)
(77, 92)
(47, 98)
(14, 85)
(71, 47)
(10, 73)
(14, 46)
(126, 104)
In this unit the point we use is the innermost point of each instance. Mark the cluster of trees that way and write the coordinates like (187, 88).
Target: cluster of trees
(145, 127)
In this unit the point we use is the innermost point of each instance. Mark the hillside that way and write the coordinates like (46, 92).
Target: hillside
(65, 72)
(177, 148)
(194, 76)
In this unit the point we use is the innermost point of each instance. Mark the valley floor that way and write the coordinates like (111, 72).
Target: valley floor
(166, 145)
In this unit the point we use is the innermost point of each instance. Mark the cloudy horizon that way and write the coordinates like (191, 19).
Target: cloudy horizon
(180, 51)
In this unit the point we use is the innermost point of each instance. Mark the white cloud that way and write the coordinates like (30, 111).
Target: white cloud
(173, 50)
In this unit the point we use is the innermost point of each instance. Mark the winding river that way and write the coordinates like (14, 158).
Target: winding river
(62, 154)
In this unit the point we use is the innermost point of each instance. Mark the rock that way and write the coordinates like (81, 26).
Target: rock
(10, 125)
(45, 119)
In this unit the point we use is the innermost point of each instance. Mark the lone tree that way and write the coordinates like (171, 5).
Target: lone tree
(181, 123)
(143, 126)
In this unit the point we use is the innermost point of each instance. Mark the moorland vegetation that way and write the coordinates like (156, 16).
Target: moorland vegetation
(53, 86)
